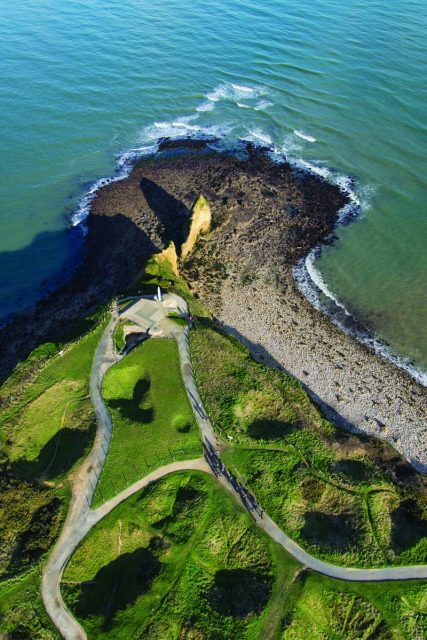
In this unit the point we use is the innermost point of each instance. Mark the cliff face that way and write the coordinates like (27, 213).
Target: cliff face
(200, 222)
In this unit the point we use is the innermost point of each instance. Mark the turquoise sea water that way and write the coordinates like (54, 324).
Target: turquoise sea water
(339, 86)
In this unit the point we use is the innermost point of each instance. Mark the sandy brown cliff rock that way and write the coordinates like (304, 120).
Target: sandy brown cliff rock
(200, 222)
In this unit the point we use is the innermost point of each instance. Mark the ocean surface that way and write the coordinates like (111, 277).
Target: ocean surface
(339, 88)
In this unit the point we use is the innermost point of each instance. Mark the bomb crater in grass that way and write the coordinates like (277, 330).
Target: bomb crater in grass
(239, 592)
(331, 530)
(116, 586)
(270, 429)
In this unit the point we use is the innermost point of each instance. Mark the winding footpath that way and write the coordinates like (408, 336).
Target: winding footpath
(81, 518)
(77, 523)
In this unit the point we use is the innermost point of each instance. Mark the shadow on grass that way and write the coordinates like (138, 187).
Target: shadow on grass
(354, 470)
(408, 526)
(37, 537)
(270, 429)
(239, 592)
(131, 409)
(115, 586)
(181, 523)
(337, 531)
(57, 456)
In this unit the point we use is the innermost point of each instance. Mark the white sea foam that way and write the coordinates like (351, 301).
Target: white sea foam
(235, 92)
(243, 106)
(304, 136)
(263, 104)
(206, 106)
(124, 163)
(189, 118)
(312, 285)
(179, 128)
(250, 92)
(123, 168)
(318, 281)
(288, 149)
(257, 135)
(83, 207)
(311, 167)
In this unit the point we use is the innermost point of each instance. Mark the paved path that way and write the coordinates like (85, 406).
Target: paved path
(80, 518)
(414, 572)
(198, 464)
(77, 522)
(200, 414)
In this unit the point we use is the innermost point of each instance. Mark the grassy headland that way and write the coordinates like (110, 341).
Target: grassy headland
(181, 560)
(177, 560)
(153, 423)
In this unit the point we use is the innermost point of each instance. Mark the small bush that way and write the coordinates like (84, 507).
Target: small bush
(181, 424)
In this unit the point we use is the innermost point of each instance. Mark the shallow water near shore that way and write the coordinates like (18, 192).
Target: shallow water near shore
(340, 89)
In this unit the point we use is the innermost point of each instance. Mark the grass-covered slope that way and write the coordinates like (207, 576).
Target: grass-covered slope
(333, 492)
(181, 561)
(325, 609)
(22, 612)
(177, 560)
(46, 427)
(153, 423)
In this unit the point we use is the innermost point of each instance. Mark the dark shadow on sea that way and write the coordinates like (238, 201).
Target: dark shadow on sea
(113, 254)
(32, 272)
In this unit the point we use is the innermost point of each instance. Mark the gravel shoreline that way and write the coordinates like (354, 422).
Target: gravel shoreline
(357, 389)
(256, 299)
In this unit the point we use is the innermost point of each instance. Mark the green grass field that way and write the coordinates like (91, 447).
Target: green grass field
(46, 426)
(329, 490)
(53, 400)
(119, 338)
(22, 612)
(331, 609)
(180, 560)
(153, 423)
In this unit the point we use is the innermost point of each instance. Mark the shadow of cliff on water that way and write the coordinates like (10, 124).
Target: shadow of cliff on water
(114, 252)
(32, 272)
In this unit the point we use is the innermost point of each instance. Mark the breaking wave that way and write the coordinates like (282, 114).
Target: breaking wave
(304, 136)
